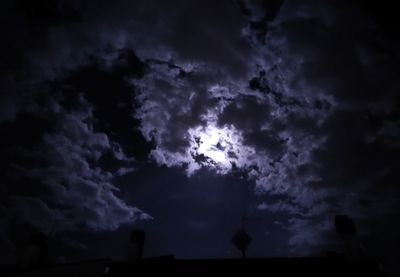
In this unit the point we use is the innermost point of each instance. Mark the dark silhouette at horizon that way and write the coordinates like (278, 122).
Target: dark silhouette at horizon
(350, 262)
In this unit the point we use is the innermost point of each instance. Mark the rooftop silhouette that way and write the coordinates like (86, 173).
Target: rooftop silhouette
(347, 263)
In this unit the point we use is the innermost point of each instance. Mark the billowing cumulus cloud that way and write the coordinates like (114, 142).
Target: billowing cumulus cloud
(64, 164)
(298, 124)
(299, 98)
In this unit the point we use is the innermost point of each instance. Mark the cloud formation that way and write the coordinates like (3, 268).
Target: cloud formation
(65, 164)
(300, 98)
(300, 120)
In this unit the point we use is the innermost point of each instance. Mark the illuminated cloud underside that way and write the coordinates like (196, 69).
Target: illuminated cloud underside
(234, 130)
(217, 148)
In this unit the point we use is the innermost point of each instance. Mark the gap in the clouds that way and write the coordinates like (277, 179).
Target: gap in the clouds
(196, 216)
(105, 87)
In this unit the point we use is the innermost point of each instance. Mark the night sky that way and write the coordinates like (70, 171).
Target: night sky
(181, 117)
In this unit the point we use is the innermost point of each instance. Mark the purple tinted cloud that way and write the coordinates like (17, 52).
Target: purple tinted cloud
(80, 193)
(297, 97)
(306, 76)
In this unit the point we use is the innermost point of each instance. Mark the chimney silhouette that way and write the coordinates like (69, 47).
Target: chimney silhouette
(36, 251)
(353, 251)
(135, 252)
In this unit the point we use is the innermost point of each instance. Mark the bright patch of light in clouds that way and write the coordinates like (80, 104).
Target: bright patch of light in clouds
(213, 141)
(216, 147)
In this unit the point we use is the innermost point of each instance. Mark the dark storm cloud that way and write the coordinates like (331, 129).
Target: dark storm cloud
(310, 114)
(30, 50)
(298, 97)
(64, 169)
(55, 153)
(57, 174)
(329, 58)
